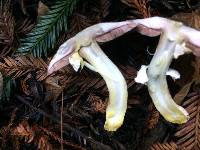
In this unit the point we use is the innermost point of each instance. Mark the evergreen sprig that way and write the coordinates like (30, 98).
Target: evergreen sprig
(49, 26)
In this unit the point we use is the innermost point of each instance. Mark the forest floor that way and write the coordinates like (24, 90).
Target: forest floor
(66, 110)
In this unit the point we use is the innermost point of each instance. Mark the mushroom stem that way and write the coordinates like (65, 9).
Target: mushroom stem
(157, 84)
(115, 82)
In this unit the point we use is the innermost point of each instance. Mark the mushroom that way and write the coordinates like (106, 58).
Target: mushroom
(83, 50)
(175, 40)
(101, 32)
(115, 82)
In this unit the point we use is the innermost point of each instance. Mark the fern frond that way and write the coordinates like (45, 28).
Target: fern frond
(57, 138)
(7, 23)
(5, 130)
(19, 66)
(43, 143)
(25, 131)
(102, 8)
(140, 7)
(164, 146)
(189, 134)
(97, 104)
(153, 117)
(45, 33)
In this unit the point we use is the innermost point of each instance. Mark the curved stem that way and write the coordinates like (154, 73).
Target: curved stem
(115, 82)
(157, 84)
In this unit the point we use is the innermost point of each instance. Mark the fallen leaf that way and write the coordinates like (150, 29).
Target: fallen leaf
(42, 9)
